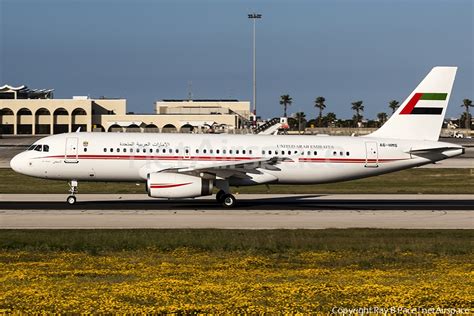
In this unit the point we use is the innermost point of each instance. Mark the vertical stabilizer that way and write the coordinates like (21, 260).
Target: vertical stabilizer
(421, 115)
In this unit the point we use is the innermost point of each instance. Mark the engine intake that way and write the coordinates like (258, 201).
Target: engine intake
(176, 185)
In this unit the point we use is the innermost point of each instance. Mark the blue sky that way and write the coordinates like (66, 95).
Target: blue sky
(143, 51)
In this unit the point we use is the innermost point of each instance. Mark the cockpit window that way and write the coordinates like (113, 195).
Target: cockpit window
(36, 147)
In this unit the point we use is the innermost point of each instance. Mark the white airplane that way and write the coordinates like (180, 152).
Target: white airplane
(191, 165)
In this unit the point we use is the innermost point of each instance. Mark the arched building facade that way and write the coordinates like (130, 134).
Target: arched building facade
(35, 112)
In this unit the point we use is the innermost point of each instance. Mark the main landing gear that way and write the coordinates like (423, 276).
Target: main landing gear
(226, 199)
(71, 199)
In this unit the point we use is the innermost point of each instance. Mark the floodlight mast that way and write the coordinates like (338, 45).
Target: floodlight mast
(254, 16)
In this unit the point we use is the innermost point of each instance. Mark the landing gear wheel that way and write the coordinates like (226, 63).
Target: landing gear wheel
(71, 200)
(220, 196)
(228, 200)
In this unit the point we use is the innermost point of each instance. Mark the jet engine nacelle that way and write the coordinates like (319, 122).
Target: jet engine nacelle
(175, 185)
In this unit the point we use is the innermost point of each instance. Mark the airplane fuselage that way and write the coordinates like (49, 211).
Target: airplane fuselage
(301, 159)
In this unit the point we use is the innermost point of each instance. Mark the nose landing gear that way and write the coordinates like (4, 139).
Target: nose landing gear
(71, 199)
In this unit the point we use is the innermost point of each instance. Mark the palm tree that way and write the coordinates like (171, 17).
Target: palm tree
(301, 119)
(358, 107)
(319, 104)
(331, 119)
(394, 104)
(382, 117)
(466, 103)
(285, 100)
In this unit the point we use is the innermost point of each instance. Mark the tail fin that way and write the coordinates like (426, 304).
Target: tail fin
(421, 115)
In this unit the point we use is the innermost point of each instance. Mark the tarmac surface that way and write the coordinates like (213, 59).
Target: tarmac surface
(252, 212)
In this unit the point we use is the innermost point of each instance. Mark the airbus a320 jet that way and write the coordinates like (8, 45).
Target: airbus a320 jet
(178, 166)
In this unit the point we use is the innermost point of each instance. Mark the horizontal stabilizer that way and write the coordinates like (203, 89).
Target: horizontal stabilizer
(433, 150)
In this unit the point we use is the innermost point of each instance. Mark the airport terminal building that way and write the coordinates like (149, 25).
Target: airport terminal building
(25, 111)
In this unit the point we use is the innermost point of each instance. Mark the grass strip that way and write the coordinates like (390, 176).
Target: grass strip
(260, 241)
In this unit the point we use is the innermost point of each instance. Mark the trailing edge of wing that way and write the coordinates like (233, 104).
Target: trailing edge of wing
(233, 165)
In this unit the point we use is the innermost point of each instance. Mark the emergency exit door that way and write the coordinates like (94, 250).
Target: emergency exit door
(71, 150)
(371, 155)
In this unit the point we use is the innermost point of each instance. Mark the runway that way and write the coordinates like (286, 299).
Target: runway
(252, 212)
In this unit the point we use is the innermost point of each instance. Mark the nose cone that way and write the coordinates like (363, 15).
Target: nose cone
(17, 163)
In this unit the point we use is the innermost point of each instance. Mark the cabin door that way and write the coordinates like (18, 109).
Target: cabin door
(371, 155)
(71, 150)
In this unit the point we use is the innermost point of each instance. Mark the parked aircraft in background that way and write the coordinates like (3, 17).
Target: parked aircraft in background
(191, 165)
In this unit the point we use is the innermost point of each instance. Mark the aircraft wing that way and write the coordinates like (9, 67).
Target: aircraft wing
(231, 168)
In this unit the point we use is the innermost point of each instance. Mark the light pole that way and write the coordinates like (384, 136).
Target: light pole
(254, 16)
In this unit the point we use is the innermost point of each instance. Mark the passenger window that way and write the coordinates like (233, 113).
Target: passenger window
(276, 152)
(341, 153)
(151, 151)
(243, 151)
(187, 151)
(347, 153)
(289, 152)
(210, 151)
(263, 152)
(296, 152)
(177, 151)
(111, 150)
(315, 153)
(85, 149)
(224, 151)
(269, 152)
(237, 152)
(204, 151)
(230, 151)
(118, 150)
(217, 151)
(308, 153)
(46, 148)
(250, 151)
(197, 151)
(105, 150)
(125, 150)
(170, 151)
(334, 153)
(164, 151)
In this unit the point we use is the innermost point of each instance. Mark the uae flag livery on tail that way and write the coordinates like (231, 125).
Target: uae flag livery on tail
(421, 114)
(411, 107)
